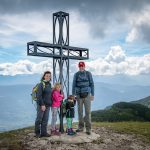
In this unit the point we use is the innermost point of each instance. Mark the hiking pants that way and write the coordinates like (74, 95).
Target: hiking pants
(41, 120)
(86, 102)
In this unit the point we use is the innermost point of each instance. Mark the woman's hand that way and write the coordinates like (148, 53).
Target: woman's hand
(43, 108)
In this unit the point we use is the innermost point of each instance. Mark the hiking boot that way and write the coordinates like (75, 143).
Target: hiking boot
(79, 130)
(88, 132)
(45, 135)
(37, 135)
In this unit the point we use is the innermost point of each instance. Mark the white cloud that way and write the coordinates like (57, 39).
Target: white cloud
(116, 54)
(116, 62)
(25, 67)
(140, 25)
(21, 28)
(132, 35)
(18, 29)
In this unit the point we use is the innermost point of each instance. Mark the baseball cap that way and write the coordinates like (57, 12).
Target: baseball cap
(81, 64)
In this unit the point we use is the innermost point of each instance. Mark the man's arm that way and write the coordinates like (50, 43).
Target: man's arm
(91, 83)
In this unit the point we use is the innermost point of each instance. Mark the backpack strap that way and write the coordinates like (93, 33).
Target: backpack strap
(43, 85)
(86, 73)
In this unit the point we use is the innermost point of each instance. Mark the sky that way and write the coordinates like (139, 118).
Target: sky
(116, 32)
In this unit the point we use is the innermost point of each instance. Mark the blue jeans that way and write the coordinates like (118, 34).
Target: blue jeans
(41, 120)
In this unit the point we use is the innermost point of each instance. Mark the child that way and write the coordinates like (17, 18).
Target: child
(56, 102)
(70, 111)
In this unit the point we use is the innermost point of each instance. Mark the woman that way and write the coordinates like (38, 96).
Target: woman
(43, 105)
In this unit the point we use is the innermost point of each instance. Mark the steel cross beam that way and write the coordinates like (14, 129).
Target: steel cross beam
(60, 51)
(42, 49)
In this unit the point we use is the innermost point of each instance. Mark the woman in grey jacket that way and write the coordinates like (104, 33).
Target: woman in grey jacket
(43, 105)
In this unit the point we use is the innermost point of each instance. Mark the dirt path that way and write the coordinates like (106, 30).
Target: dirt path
(108, 140)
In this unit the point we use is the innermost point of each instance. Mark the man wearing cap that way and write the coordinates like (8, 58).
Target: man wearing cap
(83, 89)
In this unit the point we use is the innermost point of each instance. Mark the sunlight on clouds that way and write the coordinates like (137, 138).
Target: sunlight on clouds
(116, 54)
(116, 62)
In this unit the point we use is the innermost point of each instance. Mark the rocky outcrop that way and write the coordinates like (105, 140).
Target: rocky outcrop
(102, 138)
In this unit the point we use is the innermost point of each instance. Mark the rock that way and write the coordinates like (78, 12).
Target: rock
(100, 139)
(78, 138)
(42, 142)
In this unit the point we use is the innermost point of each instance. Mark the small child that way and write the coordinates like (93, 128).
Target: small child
(70, 113)
(57, 97)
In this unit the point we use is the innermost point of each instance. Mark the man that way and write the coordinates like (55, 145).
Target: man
(83, 89)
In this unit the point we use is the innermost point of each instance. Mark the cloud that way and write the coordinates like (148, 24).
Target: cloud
(99, 14)
(25, 67)
(116, 54)
(21, 6)
(115, 62)
(95, 25)
(132, 35)
(140, 26)
(19, 29)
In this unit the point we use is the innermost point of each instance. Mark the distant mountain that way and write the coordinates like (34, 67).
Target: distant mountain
(126, 80)
(108, 94)
(121, 79)
(122, 111)
(144, 101)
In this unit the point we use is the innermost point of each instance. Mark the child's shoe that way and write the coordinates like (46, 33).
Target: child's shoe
(70, 132)
(55, 132)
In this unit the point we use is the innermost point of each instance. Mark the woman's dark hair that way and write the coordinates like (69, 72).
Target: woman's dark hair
(46, 72)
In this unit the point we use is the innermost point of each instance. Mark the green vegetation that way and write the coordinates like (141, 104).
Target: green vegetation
(122, 111)
(145, 101)
(141, 129)
(13, 139)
